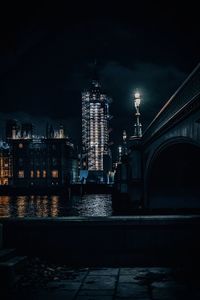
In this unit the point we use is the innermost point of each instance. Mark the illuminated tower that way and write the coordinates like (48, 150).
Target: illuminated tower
(95, 129)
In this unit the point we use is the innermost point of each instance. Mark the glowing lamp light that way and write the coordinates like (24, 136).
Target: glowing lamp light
(137, 125)
(137, 95)
(137, 99)
(137, 102)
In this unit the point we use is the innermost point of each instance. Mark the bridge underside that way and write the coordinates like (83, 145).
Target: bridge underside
(173, 179)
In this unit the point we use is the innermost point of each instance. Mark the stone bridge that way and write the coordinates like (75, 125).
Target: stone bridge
(163, 167)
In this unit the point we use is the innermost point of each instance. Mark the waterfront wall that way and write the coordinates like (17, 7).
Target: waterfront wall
(1, 236)
(125, 241)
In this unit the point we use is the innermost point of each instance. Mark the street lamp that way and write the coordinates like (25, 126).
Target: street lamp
(137, 125)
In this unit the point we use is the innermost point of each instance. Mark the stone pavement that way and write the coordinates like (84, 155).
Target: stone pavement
(113, 283)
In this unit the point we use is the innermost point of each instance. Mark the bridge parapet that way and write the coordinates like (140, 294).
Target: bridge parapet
(187, 93)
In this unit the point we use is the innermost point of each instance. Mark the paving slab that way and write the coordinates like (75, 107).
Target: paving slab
(125, 290)
(99, 282)
(132, 298)
(94, 298)
(78, 276)
(133, 271)
(104, 271)
(128, 279)
(170, 290)
(172, 284)
(45, 295)
(64, 285)
(160, 270)
(56, 295)
(155, 283)
(96, 292)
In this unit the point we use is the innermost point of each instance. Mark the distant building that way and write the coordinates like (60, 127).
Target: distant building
(5, 164)
(42, 161)
(26, 130)
(12, 129)
(16, 130)
(95, 132)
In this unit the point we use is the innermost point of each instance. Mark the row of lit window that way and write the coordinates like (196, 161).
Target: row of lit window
(38, 174)
(4, 173)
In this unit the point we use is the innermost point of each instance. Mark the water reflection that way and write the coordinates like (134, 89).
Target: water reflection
(92, 205)
(42, 207)
(55, 206)
(4, 206)
(21, 206)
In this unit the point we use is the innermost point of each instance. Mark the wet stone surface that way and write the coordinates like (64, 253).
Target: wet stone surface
(42, 280)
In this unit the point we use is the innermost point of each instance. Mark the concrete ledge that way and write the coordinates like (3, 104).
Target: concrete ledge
(1, 236)
(135, 240)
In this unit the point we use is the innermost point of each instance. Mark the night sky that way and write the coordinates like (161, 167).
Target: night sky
(48, 52)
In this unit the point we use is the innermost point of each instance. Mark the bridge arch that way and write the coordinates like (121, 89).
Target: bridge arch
(171, 177)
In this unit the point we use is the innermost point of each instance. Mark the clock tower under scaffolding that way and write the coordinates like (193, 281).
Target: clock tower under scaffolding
(95, 131)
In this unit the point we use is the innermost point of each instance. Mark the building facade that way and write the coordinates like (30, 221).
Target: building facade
(43, 162)
(49, 161)
(5, 164)
(95, 131)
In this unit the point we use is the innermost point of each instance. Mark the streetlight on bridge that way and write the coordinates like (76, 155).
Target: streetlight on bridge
(137, 125)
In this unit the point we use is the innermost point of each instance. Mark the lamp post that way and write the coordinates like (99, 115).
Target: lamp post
(137, 125)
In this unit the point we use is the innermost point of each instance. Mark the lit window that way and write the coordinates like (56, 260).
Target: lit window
(32, 173)
(38, 173)
(54, 173)
(21, 145)
(21, 174)
(44, 174)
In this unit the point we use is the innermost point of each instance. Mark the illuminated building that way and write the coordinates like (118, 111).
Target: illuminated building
(95, 131)
(15, 130)
(5, 164)
(42, 161)
(26, 130)
(12, 128)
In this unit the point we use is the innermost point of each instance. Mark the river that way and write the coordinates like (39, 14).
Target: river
(55, 206)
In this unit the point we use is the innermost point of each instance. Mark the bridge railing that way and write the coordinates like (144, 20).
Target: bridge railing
(188, 90)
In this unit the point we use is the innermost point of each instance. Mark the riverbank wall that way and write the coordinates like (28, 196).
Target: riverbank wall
(76, 189)
(108, 241)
